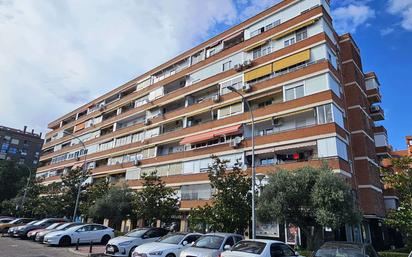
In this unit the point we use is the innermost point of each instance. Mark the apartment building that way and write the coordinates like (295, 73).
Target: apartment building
(20, 146)
(304, 83)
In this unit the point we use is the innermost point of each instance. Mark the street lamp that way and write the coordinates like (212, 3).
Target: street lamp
(25, 189)
(83, 171)
(231, 88)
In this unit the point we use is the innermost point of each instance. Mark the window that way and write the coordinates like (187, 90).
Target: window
(257, 32)
(12, 150)
(15, 141)
(227, 65)
(262, 51)
(301, 34)
(192, 238)
(235, 82)
(324, 114)
(267, 161)
(229, 241)
(294, 93)
(289, 42)
(230, 110)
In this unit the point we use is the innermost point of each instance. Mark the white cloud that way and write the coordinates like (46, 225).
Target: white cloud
(387, 31)
(402, 8)
(349, 18)
(57, 55)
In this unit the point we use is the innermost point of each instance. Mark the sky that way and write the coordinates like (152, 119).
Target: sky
(58, 55)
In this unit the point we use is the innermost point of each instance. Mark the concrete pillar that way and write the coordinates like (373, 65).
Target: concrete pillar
(158, 223)
(183, 224)
(106, 222)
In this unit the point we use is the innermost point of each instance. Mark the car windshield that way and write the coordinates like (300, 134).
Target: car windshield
(67, 226)
(136, 232)
(15, 221)
(54, 225)
(172, 239)
(249, 247)
(32, 222)
(209, 241)
(339, 252)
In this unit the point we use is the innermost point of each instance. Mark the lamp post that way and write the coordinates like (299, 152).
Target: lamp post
(231, 88)
(83, 171)
(25, 189)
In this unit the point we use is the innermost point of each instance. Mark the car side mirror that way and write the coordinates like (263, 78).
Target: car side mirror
(184, 243)
(227, 247)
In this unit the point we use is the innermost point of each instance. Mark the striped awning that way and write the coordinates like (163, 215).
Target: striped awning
(210, 135)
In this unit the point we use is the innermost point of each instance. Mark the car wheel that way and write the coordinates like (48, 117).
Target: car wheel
(105, 239)
(131, 251)
(65, 241)
(170, 255)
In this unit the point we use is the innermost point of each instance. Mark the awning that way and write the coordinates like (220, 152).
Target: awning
(210, 135)
(79, 126)
(295, 146)
(289, 31)
(77, 165)
(233, 36)
(255, 45)
(292, 60)
(259, 72)
(261, 151)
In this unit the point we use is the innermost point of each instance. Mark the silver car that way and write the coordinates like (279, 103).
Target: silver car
(211, 245)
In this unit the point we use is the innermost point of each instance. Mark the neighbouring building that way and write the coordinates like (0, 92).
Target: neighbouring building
(311, 99)
(20, 146)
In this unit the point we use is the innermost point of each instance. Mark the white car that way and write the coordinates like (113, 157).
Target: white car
(125, 245)
(168, 246)
(211, 245)
(260, 248)
(85, 233)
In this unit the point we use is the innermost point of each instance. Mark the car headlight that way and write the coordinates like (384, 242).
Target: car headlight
(156, 253)
(125, 243)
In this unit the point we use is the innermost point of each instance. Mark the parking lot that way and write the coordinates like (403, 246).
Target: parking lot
(12, 247)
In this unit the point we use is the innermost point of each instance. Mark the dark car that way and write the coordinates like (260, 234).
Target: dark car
(345, 249)
(24, 230)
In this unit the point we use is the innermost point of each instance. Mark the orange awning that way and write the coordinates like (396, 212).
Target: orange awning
(210, 135)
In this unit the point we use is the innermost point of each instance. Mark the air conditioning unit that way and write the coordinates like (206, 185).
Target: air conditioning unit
(136, 162)
(246, 88)
(375, 108)
(277, 122)
(216, 98)
(236, 142)
(147, 122)
(247, 64)
(238, 67)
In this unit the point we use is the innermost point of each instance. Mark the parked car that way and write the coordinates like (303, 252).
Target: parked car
(85, 233)
(211, 245)
(168, 246)
(338, 249)
(6, 220)
(260, 248)
(32, 234)
(23, 231)
(125, 245)
(4, 227)
(40, 236)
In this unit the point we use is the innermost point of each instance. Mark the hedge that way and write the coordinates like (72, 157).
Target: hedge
(393, 254)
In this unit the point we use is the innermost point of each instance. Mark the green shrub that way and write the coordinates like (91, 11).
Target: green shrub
(393, 254)
(305, 253)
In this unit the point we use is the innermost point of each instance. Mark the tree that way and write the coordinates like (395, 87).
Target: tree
(69, 189)
(94, 192)
(399, 178)
(310, 198)
(115, 205)
(155, 201)
(12, 178)
(230, 209)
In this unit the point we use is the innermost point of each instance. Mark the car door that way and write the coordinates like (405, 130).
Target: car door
(83, 234)
(229, 241)
(281, 250)
(96, 233)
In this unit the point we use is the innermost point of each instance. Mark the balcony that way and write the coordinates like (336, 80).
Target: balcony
(372, 88)
(377, 113)
(374, 95)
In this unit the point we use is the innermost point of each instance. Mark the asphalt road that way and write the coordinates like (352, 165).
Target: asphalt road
(12, 247)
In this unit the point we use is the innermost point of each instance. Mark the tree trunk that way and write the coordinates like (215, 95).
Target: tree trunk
(314, 237)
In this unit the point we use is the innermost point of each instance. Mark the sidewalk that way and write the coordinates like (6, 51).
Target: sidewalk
(97, 250)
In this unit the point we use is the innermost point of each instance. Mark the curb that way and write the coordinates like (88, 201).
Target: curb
(86, 254)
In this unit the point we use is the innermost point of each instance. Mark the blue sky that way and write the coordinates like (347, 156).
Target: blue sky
(58, 55)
